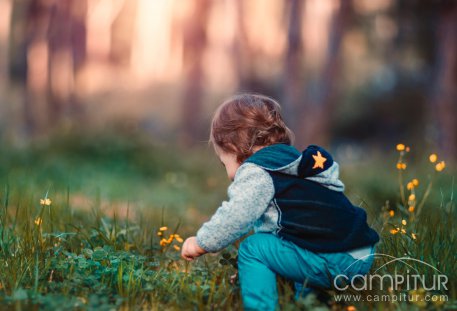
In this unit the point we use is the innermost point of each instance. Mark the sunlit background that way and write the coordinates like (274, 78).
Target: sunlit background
(349, 74)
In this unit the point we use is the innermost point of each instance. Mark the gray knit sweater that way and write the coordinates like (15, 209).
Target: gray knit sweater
(250, 204)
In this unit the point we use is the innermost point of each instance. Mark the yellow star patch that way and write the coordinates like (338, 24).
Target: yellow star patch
(319, 160)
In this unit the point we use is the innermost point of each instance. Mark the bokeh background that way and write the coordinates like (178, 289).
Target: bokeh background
(367, 73)
(113, 98)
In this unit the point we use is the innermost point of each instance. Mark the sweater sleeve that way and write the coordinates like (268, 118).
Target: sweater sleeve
(249, 196)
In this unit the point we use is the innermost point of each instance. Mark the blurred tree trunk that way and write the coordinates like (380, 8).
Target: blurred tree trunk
(443, 99)
(47, 47)
(67, 53)
(18, 40)
(122, 30)
(293, 78)
(28, 28)
(241, 50)
(194, 48)
(315, 115)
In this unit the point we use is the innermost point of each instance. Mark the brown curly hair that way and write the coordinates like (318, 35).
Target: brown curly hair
(246, 121)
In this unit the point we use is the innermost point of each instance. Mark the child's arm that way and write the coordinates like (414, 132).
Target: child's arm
(249, 196)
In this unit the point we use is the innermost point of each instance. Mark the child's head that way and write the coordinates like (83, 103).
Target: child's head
(245, 123)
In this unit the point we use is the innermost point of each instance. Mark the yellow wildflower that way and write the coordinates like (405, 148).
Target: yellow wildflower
(403, 231)
(433, 157)
(391, 213)
(395, 231)
(179, 239)
(163, 228)
(411, 208)
(440, 166)
(410, 186)
(351, 308)
(403, 222)
(412, 197)
(38, 221)
(401, 166)
(415, 182)
(163, 242)
(45, 201)
(159, 233)
(176, 247)
(414, 236)
(400, 147)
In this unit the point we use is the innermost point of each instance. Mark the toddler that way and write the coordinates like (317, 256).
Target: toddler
(305, 229)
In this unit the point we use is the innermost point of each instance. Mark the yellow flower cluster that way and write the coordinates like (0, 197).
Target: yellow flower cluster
(398, 229)
(402, 229)
(402, 149)
(167, 241)
(38, 221)
(411, 186)
(438, 166)
(410, 200)
(401, 166)
(45, 202)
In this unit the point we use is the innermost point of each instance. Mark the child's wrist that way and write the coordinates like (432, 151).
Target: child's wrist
(200, 249)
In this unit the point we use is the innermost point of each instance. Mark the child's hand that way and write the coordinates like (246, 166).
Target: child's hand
(191, 250)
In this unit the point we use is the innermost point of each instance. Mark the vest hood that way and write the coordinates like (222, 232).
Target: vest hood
(314, 164)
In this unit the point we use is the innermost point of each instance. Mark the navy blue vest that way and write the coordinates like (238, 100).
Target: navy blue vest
(311, 215)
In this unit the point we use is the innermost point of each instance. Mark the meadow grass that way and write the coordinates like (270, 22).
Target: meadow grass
(97, 224)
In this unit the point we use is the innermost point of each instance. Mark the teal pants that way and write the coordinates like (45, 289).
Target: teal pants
(262, 256)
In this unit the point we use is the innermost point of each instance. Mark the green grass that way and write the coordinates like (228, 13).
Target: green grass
(97, 246)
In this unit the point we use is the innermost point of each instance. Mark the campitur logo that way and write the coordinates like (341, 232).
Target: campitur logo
(412, 280)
